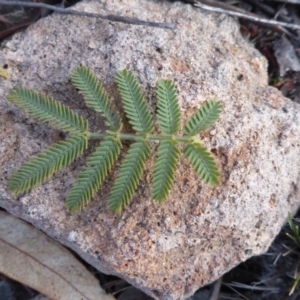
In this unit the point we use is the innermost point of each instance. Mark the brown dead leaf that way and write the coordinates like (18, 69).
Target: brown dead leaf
(286, 56)
(27, 255)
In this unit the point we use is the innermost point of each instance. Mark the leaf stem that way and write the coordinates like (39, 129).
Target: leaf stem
(97, 136)
(139, 136)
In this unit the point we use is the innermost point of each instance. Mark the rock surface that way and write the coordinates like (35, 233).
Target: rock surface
(171, 250)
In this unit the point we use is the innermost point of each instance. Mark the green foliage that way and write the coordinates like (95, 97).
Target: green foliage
(168, 111)
(90, 180)
(295, 236)
(39, 169)
(134, 103)
(48, 110)
(204, 118)
(203, 163)
(95, 96)
(164, 171)
(101, 161)
(130, 174)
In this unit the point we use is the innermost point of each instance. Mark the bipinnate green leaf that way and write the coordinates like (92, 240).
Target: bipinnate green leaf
(168, 107)
(130, 174)
(204, 118)
(134, 103)
(40, 168)
(90, 179)
(203, 163)
(164, 171)
(95, 96)
(101, 161)
(48, 110)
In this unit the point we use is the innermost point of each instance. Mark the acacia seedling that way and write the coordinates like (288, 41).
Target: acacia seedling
(62, 154)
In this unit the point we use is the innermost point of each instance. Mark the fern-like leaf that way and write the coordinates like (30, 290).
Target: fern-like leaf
(40, 168)
(203, 163)
(134, 103)
(168, 107)
(90, 179)
(95, 96)
(204, 118)
(164, 171)
(48, 110)
(130, 174)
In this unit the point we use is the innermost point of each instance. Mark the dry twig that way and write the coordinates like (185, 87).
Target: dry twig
(247, 17)
(113, 18)
(286, 1)
(216, 289)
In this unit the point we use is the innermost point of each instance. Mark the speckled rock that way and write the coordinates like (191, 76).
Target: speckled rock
(167, 250)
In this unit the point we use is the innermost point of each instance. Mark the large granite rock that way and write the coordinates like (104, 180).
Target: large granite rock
(166, 250)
